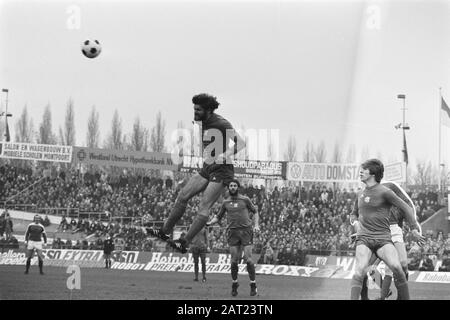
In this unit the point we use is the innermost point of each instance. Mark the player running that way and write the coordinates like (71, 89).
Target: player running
(396, 218)
(216, 173)
(372, 208)
(33, 239)
(199, 248)
(240, 233)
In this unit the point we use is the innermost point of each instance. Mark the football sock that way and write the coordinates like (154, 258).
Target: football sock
(365, 289)
(386, 285)
(234, 271)
(251, 270)
(28, 264)
(196, 226)
(175, 215)
(356, 286)
(401, 285)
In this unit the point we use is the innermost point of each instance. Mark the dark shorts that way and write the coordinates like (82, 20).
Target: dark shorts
(371, 243)
(240, 237)
(218, 172)
(197, 251)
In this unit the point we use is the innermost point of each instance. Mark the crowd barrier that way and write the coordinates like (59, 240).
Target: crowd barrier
(318, 266)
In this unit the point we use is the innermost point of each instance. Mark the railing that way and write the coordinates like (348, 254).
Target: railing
(55, 211)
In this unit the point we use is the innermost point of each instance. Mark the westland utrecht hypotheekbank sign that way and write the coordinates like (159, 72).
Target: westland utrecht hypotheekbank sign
(123, 158)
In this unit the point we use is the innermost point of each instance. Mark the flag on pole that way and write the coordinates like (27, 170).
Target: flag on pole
(405, 149)
(445, 113)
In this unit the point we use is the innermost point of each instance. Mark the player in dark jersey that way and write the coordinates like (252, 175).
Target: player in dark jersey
(216, 173)
(396, 218)
(199, 248)
(372, 208)
(240, 233)
(108, 248)
(33, 239)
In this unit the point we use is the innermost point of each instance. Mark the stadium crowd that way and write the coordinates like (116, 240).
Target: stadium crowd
(294, 220)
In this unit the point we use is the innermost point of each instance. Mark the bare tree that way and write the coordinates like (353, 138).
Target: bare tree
(337, 153)
(45, 134)
(115, 139)
(157, 138)
(69, 125)
(320, 153)
(138, 136)
(93, 132)
(61, 136)
(291, 150)
(308, 153)
(422, 175)
(24, 127)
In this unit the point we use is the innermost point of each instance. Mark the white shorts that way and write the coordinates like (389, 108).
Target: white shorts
(34, 245)
(396, 233)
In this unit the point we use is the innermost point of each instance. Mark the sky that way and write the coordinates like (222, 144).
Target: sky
(318, 70)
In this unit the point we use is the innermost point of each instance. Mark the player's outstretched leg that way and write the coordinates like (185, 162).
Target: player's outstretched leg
(210, 196)
(195, 185)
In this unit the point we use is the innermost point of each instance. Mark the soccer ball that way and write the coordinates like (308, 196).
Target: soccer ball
(91, 48)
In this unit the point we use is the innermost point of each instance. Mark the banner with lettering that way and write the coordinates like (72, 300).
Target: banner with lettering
(322, 172)
(255, 169)
(123, 158)
(395, 172)
(40, 152)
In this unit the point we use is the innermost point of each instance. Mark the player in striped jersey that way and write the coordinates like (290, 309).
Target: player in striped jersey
(239, 232)
(33, 239)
